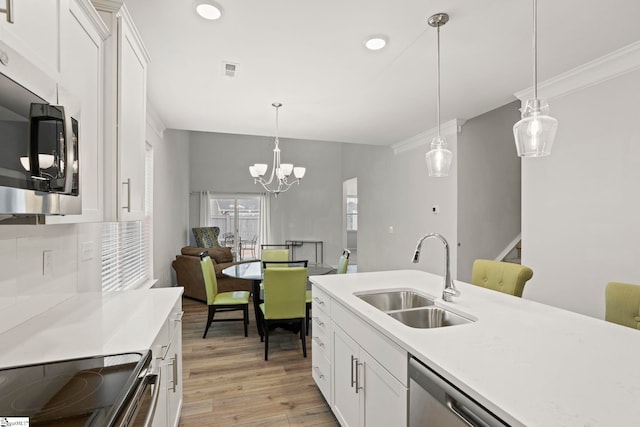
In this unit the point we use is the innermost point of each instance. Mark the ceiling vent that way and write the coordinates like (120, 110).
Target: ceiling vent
(229, 69)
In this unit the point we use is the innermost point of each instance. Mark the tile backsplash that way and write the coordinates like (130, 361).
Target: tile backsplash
(42, 265)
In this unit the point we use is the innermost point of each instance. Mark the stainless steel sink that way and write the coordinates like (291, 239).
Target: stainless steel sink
(395, 300)
(430, 317)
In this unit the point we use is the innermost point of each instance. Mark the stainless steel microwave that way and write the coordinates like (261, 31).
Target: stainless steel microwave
(39, 162)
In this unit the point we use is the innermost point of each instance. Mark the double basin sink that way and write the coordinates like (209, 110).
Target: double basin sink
(412, 309)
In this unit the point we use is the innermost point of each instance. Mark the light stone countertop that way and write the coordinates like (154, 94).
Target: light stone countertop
(531, 364)
(86, 324)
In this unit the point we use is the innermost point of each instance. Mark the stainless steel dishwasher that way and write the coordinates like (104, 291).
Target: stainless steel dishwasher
(434, 402)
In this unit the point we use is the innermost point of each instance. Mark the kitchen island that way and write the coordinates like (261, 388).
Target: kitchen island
(528, 363)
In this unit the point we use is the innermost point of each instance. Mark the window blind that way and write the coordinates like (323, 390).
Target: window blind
(123, 255)
(127, 247)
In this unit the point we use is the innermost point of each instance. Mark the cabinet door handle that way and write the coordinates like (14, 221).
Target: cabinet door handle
(317, 319)
(164, 350)
(319, 372)
(175, 371)
(319, 341)
(128, 184)
(358, 387)
(318, 300)
(353, 361)
(9, 11)
(178, 317)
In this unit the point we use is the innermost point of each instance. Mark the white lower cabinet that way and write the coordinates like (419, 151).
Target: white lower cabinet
(321, 342)
(365, 393)
(167, 357)
(361, 373)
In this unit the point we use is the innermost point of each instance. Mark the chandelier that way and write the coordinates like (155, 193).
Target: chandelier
(535, 132)
(279, 171)
(439, 156)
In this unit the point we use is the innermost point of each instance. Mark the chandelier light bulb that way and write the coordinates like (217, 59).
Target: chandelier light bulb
(299, 172)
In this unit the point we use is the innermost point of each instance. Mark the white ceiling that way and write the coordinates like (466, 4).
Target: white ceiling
(309, 56)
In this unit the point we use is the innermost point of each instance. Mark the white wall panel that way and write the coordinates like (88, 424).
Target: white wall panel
(580, 208)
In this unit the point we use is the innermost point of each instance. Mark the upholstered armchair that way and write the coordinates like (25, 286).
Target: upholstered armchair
(622, 304)
(206, 237)
(500, 276)
(189, 272)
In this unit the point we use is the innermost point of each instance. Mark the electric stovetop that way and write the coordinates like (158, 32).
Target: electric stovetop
(79, 392)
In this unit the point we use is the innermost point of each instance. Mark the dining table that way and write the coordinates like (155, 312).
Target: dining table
(253, 271)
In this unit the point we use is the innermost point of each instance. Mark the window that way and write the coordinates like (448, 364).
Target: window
(352, 213)
(127, 247)
(123, 255)
(239, 220)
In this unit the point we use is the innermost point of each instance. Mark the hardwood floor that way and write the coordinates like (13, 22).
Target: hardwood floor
(228, 383)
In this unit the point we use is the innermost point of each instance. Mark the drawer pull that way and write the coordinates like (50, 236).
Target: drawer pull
(320, 375)
(319, 341)
(318, 300)
(353, 381)
(317, 319)
(358, 387)
(9, 11)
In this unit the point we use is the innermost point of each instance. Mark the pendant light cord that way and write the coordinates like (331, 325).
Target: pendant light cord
(438, 80)
(535, 49)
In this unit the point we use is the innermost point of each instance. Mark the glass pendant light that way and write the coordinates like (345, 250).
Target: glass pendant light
(535, 132)
(439, 156)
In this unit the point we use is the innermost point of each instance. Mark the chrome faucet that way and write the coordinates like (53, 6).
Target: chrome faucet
(449, 289)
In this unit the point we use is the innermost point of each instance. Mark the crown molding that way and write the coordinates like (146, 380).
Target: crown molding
(92, 14)
(107, 5)
(452, 127)
(606, 67)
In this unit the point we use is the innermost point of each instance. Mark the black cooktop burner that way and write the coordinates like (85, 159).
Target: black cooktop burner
(78, 392)
(77, 387)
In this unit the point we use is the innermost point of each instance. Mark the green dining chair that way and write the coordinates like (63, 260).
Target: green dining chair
(505, 277)
(222, 301)
(284, 300)
(275, 255)
(343, 264)
(623, 304)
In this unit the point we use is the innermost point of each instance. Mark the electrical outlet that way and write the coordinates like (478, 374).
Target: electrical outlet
(47, 262)
(86, 251)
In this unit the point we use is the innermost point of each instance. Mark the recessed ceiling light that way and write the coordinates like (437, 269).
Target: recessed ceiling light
(376, 42)
(208, 10)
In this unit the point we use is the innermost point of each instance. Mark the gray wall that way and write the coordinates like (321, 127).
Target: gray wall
(395, 195)
(580, 205)
(488, 187)
(310, 211)
(395, 191)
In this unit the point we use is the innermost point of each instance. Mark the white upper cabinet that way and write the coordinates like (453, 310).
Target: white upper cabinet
(56, 49)
(125, 115)
(81, 92)
(35, 32)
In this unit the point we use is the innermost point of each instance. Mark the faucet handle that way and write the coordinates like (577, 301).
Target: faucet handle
(449, 292)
